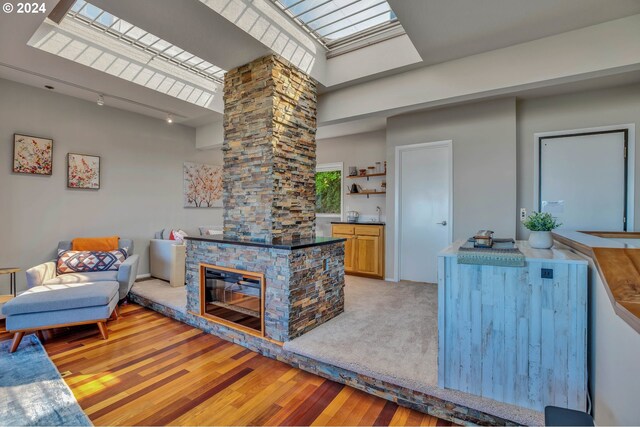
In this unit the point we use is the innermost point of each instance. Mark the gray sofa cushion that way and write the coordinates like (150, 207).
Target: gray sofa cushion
(48, 319)
(90, 276)
(61, 297)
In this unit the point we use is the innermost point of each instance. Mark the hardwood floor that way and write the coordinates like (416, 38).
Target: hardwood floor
(156, 371)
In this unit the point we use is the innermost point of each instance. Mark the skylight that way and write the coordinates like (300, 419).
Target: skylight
(94, 16)
(93, 37)
(334, 21)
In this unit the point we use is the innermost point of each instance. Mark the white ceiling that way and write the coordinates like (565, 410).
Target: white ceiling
(442, 30)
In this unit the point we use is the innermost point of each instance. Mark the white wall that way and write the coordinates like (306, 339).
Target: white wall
(484, 165)
(141, 176)
(614, 106)
(210, 136)
(361, 150)
(596, 51)
(613, 360)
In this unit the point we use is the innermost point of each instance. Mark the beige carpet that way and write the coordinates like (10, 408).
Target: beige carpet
(161, 292)
(390, 329)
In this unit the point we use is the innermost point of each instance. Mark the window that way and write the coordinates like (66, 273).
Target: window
(329, 185)
(333, 22)
(93, 37)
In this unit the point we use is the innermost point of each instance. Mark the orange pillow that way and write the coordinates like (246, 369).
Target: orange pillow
(95, 243)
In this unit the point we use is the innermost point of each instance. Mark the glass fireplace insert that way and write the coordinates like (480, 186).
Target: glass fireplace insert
(233, 297)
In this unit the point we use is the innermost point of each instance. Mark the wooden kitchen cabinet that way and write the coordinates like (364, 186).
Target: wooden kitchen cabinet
(364, 248)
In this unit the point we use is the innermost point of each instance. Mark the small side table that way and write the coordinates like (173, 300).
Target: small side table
(12, 277)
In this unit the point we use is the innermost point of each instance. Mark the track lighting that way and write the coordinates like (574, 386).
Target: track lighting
(169, 118)
(100, 100)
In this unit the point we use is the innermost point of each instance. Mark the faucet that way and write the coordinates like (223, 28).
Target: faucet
(379, 212)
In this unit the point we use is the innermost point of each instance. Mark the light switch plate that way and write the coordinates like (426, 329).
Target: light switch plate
(523, 214)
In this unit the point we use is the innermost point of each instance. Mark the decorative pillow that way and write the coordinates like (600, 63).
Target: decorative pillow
(177, 235)
(95, 243)
(86, 261)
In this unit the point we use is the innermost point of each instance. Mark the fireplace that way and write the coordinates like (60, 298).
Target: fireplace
(268, 275)
(233, 297)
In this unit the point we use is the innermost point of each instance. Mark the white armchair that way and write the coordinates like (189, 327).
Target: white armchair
(167, 261)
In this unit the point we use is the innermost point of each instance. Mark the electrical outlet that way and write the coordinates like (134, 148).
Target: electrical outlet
(523, 214)
(546, 273)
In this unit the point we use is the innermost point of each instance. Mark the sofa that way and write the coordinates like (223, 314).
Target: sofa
(59, 300)
(45, 274)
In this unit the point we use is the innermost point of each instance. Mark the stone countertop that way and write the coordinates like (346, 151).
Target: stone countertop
(357, 223)
(551, 255)
(288, 244)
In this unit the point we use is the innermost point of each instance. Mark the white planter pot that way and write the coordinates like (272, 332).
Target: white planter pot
(540, 239)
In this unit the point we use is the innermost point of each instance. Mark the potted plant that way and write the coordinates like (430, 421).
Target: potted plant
(540, 224)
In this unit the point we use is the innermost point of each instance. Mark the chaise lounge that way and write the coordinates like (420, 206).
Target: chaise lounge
(59, 300)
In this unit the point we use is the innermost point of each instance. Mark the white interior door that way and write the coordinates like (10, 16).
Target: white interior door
(583, 180)
(424, 209)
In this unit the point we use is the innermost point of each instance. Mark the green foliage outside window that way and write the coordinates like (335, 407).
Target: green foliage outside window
(328, 192)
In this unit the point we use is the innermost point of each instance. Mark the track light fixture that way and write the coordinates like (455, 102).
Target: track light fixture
(100, 100)
(169, 118)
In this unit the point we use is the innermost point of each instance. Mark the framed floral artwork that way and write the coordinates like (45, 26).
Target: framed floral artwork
(83, 171)
(32, 155)
(202, 186)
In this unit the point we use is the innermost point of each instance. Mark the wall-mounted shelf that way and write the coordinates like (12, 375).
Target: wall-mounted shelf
(366, 176)
(367, 194)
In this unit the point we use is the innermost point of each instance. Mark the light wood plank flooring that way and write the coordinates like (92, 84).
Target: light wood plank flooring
(156, 371)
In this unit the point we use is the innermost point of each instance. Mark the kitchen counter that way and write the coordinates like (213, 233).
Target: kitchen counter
(357, 223)
(508, 334)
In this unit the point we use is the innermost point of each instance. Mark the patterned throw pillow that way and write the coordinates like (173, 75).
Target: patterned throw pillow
(87, 261)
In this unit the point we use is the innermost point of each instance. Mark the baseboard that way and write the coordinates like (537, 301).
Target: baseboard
(143, 276)
(390, 279)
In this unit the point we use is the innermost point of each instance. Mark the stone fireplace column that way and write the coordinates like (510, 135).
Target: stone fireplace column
(269, 151)
(269, 208)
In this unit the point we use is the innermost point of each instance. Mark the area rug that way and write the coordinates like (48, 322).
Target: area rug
(32, 392)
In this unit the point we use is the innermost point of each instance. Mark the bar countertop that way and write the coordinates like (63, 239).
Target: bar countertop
(617, 264)
(286, 244)
(551, 255)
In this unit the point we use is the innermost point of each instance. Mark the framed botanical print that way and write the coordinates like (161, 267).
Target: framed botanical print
(83, 171)
(202, 185)
(32, 155)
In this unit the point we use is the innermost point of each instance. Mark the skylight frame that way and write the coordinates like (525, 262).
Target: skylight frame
(216, 75)
(392, 27)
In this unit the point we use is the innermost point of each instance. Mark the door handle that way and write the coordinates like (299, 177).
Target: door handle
(442, 223)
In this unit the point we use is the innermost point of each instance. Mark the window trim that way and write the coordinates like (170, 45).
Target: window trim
(329, 167)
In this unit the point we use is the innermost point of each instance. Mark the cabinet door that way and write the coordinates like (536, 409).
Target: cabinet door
(348, 251)
(367, 251)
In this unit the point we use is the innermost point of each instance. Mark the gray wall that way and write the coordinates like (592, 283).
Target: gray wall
(565, 112)
(484, 165)
(141, 176)
(361, 150)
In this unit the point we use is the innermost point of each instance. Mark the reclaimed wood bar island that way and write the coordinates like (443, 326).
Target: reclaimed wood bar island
(509, 334)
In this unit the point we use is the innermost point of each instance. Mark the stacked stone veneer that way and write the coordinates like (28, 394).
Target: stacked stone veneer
(269, 151)
(304, 287)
